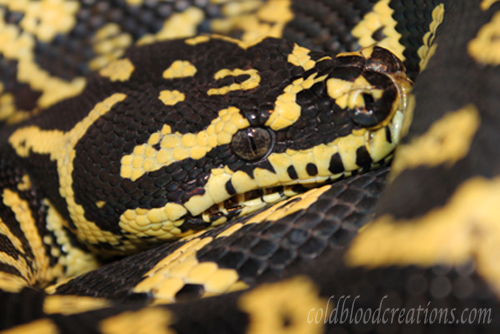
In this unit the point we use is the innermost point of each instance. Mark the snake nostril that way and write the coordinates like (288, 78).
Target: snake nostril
(371, 112)
(372, 103)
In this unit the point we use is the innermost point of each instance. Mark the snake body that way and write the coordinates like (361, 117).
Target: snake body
(189, 150)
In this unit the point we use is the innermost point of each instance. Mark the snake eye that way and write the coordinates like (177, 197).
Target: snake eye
(251, 144)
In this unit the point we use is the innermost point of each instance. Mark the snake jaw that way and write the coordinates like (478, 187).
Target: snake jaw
(251, 201)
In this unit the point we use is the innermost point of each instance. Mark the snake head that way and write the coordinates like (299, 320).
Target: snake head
(339, 116)
(183, 135)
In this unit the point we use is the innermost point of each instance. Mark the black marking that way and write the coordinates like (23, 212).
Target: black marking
(378, 34)
(190, 291)
(369, 101)
(363, 158)
(336, 165)
(292, 172)
(350, 62)
(348, 73)
(388, 136)
(230, 80)
(384, 61)
(312, 169)
(7, 247)
(6, 268)
(375, 110)
(229, 188)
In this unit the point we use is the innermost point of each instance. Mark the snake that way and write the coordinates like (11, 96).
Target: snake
(231, 166)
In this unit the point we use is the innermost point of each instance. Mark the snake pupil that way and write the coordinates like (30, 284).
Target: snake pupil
(252, 143)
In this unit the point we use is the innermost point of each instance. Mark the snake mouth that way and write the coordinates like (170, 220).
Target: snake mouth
(243, 204)
(251, 201)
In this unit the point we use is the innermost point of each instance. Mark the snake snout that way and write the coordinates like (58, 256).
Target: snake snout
(373, 100)
(371, 85)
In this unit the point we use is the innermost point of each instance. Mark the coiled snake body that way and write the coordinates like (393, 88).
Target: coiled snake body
(186, 184)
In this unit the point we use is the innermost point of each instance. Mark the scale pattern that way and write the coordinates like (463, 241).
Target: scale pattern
(430, 245)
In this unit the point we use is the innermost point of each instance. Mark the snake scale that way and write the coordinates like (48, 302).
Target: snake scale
(222, 166)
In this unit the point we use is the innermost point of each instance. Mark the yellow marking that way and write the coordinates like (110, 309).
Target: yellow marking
(286, 110)
(374, 141)
(348, 94)
(179, 25)
(100, 204)
(60, 146)
(10, 282)
(145, 321)
(428, 55)
(465, 228)
(279, 211)
(240, 285)
(23, 214)
(300, 57)
(338, 87)
(227, 232)
(268, 21)
(283, 307)
(171, 97)
(347, 146)
(180, 69)
(486, 4)
(67, 305)
(109, 44)
(250, 83)
(7, 107)
(180, 268)
(176, 146)
(25, 184)
(232, 9)
(46, 18)
(202, 272)
(428, 48)
(4, 230)
(20, 46)
(215, 192)
(135, 2)
(264, 178)
(8, 112)
(42, 326)
(366, 52)
(242, 44)
(161, 223)
(76, 261)
(119, 70)
(408, 118)
(379, 17)
(220, 281)
(21, 266)
(51, 289)
(485, 47)
(197, 40)
(447, 141)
